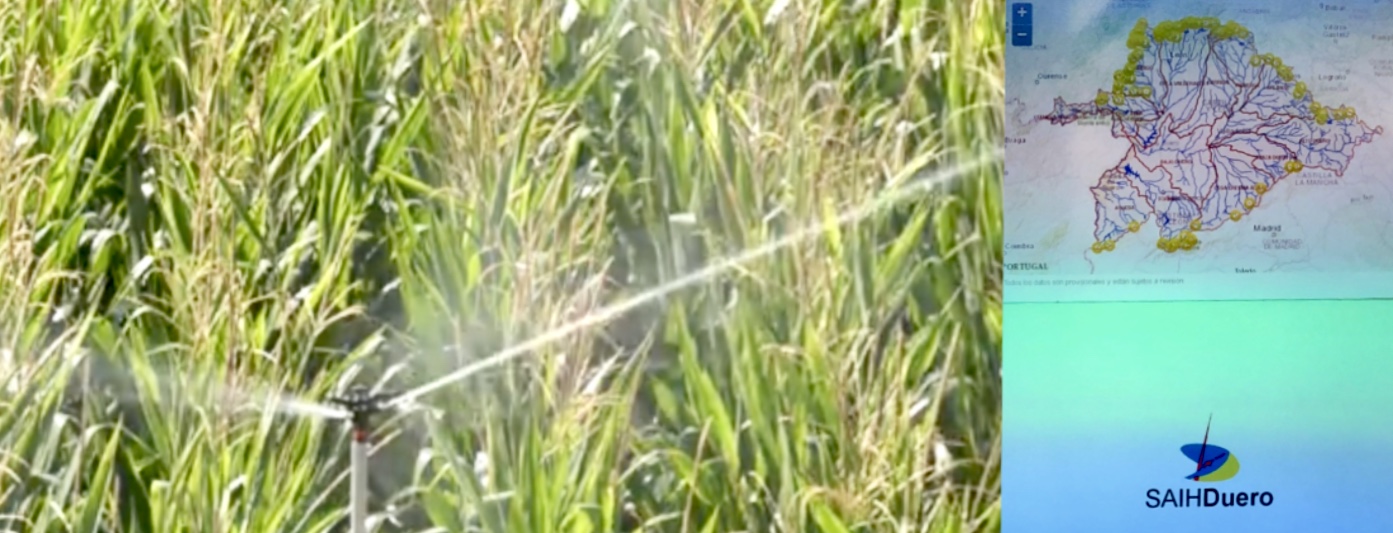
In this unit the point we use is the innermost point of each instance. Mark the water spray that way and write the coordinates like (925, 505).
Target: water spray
(360, 406)
(900, 194)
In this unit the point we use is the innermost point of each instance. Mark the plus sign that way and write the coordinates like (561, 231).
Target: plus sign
(1021, 12)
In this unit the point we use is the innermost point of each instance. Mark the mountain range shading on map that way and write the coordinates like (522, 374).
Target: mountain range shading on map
(1213, 126)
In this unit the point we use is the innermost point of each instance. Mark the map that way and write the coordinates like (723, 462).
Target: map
(1164, 151)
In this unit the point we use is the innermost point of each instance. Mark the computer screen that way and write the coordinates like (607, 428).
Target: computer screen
(1198, 265)
(1173, 150)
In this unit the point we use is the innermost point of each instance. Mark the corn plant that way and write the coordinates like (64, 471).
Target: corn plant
(209, 205)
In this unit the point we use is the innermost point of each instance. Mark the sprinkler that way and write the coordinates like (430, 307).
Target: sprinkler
(361, 405)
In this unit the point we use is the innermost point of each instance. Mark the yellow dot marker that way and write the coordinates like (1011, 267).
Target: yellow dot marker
(1134, 226)
(1249, 202)
(1293, 166)
(1235, 215)
(1261, 188)
(1184, 241)
(1195, 225)
(1097, 247)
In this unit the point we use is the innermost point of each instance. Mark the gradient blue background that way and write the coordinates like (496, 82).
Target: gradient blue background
(1099, 398)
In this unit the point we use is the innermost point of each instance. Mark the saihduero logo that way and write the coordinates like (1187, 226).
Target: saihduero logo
(1212, 463)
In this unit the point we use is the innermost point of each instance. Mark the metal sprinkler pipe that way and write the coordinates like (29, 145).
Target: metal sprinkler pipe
(361, 406)
(359, 488)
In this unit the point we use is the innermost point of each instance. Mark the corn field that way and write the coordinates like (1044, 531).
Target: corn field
(208, 207)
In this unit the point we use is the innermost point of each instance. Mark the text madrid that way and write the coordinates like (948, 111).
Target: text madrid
(1206, 498)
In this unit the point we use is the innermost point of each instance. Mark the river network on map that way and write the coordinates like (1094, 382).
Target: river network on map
(1193, 187)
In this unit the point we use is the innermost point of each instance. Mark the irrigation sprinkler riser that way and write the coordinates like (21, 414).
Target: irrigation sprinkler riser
(359, 488)
(361, 407)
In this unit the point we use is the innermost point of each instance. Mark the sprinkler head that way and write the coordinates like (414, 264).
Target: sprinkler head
(361, 405)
